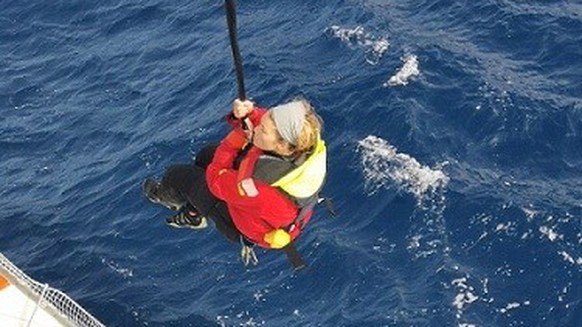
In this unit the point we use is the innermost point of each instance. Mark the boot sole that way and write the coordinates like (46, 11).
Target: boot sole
(203, 224)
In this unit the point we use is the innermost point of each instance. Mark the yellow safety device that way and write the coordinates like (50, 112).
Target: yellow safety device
(277, 238)
(306, 180)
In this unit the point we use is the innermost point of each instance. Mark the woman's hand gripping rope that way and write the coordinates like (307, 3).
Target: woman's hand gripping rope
(241, 109)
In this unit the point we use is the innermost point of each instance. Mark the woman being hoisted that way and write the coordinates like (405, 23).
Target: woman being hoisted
(258, 185)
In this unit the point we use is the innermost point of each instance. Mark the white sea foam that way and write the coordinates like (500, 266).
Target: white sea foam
(463, 299)
(530, 213)
(503, 227)
(570, 258)
(465, 295)
(514, 305)
(240, 318)
(552, 235)
(260, 296)
(408, 70)
(357, 37)
(126, 273)
(385, 167)
(460, 282)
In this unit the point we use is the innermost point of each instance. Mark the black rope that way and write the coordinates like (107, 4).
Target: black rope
(230, 7)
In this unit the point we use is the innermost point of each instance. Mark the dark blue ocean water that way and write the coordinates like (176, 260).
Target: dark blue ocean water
(459, 192)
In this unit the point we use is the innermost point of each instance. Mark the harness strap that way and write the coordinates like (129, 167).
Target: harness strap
(293, 256)
(299, 221)
(246, 185)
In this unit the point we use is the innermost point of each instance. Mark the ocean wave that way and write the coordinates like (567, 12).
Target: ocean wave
(384, 166)
(357, 37)
(407, 71)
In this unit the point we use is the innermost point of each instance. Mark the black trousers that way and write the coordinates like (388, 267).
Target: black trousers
(188, 183)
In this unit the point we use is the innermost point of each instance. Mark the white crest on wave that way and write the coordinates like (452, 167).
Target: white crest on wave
(373, 46)
(385, 167)
(408, 70)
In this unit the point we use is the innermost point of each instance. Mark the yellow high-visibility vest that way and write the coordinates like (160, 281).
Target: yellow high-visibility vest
(305, 180)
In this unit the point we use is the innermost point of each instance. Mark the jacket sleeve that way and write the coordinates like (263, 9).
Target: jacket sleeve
(220, 175)
(267, 211)
(227, 152)
(223, 183)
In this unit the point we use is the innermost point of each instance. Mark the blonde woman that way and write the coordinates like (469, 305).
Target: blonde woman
(258, 185)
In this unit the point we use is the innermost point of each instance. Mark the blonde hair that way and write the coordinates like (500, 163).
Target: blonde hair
(311, 131)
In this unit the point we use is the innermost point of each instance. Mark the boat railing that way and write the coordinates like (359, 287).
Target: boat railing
(48, 296)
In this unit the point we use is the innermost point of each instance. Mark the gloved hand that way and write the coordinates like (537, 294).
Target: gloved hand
(277, 238)
(241, 109)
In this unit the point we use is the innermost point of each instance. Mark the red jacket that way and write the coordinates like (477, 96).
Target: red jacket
(252, 216)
